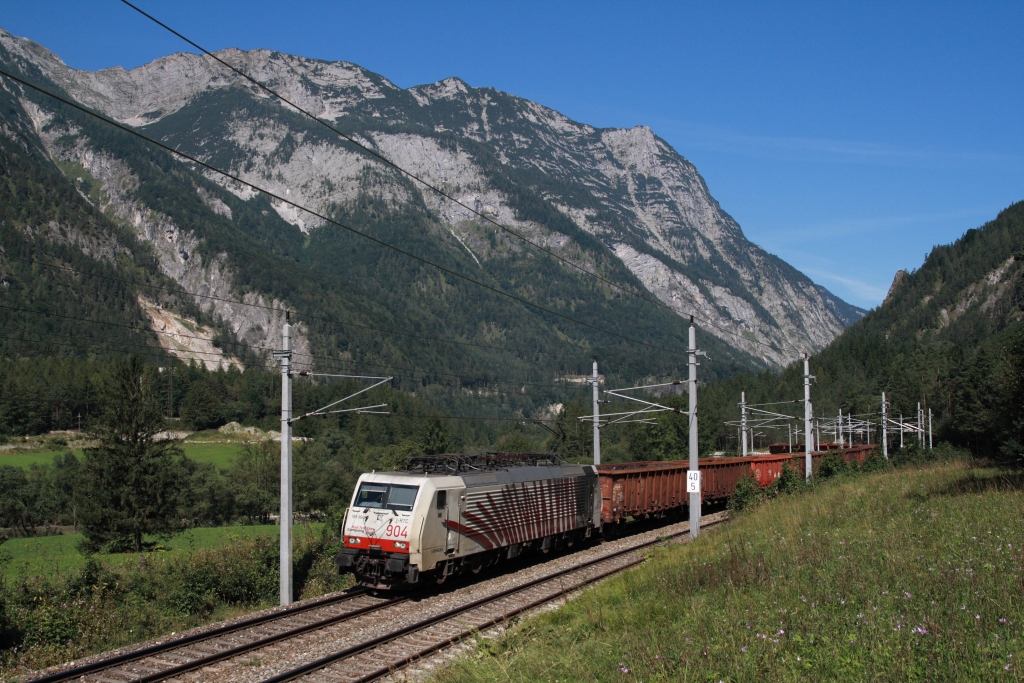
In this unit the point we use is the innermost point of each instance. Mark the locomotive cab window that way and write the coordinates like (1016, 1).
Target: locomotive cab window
(389, 496)
(442, 500)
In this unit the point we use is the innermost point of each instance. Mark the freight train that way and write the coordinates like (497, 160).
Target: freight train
(453, 514)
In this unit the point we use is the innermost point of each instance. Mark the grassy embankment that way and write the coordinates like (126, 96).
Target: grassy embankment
(110, 601)
(913, 574)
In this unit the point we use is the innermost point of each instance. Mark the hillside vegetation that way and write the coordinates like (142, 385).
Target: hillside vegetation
(950, 335)
(913, 574)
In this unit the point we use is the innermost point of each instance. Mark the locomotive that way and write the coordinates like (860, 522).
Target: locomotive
(446, 515)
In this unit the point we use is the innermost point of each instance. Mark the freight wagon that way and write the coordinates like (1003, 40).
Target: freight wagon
(642, 489)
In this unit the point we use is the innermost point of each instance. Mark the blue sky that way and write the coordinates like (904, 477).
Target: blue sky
(846, 138)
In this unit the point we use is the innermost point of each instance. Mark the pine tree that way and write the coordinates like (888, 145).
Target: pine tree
(132, 481)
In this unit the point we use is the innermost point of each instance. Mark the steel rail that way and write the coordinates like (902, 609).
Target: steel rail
(202, 636)
(393, 665)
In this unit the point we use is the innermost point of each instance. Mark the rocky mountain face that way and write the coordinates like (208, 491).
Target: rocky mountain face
(620, 202)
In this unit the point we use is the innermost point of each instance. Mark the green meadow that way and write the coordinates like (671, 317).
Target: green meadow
(907, 575)
(57, 556)
(220, 454)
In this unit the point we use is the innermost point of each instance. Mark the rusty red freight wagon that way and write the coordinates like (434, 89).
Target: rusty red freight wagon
(852, 454)
(637, 489)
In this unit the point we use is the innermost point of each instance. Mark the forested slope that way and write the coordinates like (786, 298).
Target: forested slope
(949, 335)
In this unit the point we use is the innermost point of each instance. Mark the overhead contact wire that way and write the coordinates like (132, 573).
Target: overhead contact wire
(430, 185)
(283, 200)
(303, 315)
(314, 357)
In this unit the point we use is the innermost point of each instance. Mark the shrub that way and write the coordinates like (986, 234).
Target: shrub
(748, 494)
(832, 465)
(790, 481)
(874, 462)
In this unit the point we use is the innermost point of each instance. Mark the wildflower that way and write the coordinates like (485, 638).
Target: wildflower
(906, 594)
(1002, 620)
(977, 616)
(860, 615)
(623, 669)
(743, 649)
(781, 633)
(920, 630)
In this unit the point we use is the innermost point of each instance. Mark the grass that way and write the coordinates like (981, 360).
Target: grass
(26, 460)
(207, 575)
(220, 454)
(913, 574)
(56, 556)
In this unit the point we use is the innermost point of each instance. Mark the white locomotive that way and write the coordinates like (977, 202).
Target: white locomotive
(449, 514)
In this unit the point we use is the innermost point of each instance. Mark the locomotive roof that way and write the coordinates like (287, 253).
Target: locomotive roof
(521, 471)
(457, 463)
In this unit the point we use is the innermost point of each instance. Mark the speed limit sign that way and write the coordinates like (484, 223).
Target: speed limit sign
(693, 481)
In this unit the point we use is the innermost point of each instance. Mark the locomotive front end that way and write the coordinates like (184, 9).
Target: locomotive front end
(380, 547)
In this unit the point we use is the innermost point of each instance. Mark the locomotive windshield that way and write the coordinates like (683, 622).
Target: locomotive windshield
(390, 496)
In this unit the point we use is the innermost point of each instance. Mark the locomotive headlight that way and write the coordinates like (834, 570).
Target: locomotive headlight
(353, 539)
(401, 545)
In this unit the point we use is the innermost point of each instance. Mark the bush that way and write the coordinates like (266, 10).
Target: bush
(790, 481)
(874, 462)
(748, 494)
(832, 465)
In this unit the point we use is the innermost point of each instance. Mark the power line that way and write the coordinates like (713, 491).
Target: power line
(279, 198)
(429, 185)
(218, 354)
(218, 357)
(261, 348)
(162, 356)
(129, 327)
(390, 163)
(304, 316)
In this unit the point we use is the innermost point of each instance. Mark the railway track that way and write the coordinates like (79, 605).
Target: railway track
(385, 654)
(180, 655)
(365, 660)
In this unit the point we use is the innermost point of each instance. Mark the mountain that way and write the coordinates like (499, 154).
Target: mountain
(949, 336)
(620, 202)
